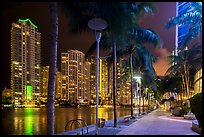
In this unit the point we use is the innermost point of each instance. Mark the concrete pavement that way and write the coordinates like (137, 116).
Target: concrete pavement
(158, 122)
(108, 129)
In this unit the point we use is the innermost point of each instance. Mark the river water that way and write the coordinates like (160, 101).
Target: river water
(33, 121)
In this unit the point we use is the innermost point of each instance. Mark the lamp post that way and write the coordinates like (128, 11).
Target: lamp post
(97, 24)
(136, 93)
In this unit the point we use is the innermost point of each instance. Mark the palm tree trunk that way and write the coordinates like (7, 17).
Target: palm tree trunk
(131, 71)
(183, 85)
(181, 98)
(148, 103)
(108, 78)
(52, 70)
(139, 98)
(143, 109)
(186, 80)
(186, 76)
(114, 85)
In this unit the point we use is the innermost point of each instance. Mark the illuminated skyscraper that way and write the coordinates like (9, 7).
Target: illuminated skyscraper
(93, 78)
(25, 62)
(103, 90)
(120, 87)
(181, 30)
(44, 77)
(86, 96)
(75, 77)
(58, 87)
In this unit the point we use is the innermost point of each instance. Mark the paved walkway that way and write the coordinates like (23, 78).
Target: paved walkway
(158, 122)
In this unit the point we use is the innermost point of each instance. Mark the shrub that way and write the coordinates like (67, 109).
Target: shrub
(196, 107)
(177, 111)
(185, 109)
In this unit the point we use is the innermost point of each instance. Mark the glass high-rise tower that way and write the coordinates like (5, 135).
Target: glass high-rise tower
(25, 62)
(181, 30)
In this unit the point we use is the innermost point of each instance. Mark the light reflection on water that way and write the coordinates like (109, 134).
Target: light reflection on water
(33, 121)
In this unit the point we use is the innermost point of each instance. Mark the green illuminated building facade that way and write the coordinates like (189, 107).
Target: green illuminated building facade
(25, 62)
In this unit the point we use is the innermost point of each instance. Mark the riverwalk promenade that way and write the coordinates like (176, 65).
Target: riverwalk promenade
(157, 122)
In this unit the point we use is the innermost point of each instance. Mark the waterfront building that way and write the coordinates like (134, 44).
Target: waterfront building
(106, 82)
(58, 86)
(25, 62)
(75, 72)
(103, 90)
(44, 77)
(92, 61)
(124, 85)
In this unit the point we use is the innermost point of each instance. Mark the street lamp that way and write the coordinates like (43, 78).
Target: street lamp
(136, 93)
(97, 24)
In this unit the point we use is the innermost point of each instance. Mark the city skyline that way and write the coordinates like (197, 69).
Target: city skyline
(12, 12)
(82, 93)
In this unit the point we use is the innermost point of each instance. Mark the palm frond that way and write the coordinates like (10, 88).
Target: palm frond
(142, 35)
(186, 18)
(174, 70)
(145, 57)
(173, 58)
(192, 18)
(146, 8)
(192, 33)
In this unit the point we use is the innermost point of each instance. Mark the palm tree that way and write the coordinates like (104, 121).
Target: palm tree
(80, 14)
(148, 82)
(52, 69)
(123, 13)
(72, 7)
(193, 18)
(168, 84)
(75, 11)
(136, 49)
(187, 60)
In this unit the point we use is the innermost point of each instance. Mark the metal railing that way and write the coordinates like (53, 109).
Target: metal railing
(77, 120)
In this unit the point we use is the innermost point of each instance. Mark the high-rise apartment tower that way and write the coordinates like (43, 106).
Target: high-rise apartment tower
(25, 62)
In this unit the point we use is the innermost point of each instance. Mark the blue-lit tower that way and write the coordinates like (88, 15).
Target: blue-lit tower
(181, 30)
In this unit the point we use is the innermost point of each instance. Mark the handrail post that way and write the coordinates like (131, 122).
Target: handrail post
(78, 123)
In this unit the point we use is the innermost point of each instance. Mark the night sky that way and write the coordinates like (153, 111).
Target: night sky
(39, 14)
